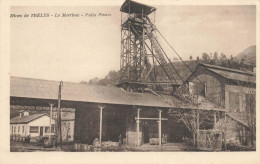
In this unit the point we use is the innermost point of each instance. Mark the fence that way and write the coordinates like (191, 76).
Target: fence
(210, 140)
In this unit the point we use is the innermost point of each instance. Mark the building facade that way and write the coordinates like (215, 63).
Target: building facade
(34, 125)
(231, 89)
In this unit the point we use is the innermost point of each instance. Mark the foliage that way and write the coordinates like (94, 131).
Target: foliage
(186, 117)
(208, 58)
(111, 79)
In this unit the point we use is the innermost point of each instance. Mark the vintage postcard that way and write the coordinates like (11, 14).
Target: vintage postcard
(160, 81)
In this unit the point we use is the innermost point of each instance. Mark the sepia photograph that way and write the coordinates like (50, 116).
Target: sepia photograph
(133, 77)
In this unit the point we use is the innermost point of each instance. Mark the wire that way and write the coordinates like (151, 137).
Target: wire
(177, 53)
(168, 58)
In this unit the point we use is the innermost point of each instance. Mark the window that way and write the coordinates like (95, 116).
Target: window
(18, 129)
(34, 129)
(23, 129)
(250, 103)
(52, 129)
(47, 129)
(234, 101)
(15, 129)
(197, 88)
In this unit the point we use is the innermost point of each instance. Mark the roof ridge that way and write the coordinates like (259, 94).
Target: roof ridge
(226, 69)
(66, 82)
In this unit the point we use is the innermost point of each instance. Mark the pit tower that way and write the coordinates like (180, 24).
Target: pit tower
(141, 53)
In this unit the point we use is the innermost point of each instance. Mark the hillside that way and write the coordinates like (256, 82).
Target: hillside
(245, 61)
(248, 55)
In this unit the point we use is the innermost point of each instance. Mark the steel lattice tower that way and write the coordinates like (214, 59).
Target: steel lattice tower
(140, 49)
(135, 66)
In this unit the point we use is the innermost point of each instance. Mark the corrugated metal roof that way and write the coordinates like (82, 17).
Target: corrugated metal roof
(226, 69)
(46, 89)
(26, 119)
(130, 6)
(231, 74)
(237, 117)
(234, 76)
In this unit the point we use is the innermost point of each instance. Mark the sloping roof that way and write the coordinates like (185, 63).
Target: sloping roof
(231, 74)
(203, 105)
(25, 119)
(238, 119)
(46, 89)
(130, 6)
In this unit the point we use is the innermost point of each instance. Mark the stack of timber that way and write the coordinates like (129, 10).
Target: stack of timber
(104, 146)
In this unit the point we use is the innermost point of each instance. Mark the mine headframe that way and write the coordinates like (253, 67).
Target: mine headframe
(141, 52)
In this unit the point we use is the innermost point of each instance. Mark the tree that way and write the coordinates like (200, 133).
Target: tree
(205, 56)
(188, 118)
(83, 82)
(223, 57)
(231, 58)
(94, 81)
(215, 56)
(191, 57)
(242, 62)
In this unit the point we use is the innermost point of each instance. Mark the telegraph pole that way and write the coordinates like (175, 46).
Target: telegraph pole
(51, 105)
(59, 116)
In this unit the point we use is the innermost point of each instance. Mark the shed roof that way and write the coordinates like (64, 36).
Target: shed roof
(130, 6)
(231, 74)
(26, 119)
(46, 89)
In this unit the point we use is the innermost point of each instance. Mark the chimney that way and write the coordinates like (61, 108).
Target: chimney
(26, 113)
(21, 113)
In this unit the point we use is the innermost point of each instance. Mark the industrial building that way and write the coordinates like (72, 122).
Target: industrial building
(132, 112)
(231, 89)
(35, 125)
(105, 112)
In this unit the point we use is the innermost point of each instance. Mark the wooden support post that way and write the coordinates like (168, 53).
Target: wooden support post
(215, 120)
(160, 127)
(100, 123)
(137, 126)
(198, 127)
(51, 105)
(225, 133)
(59, 116)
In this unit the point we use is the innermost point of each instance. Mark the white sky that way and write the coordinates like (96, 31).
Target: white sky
(75, 49)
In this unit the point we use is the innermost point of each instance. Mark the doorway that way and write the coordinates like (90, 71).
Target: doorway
(41, 131)
(150, 130)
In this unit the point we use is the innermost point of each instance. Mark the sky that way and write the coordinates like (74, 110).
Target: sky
(79, 49)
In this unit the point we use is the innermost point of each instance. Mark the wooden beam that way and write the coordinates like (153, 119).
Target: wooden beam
(160, 127)
(100, 122)
(225, 133)
(198, 127)
(137, 125)
(59, 115)
(157, 119)
(215, 120)
(51, 105)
